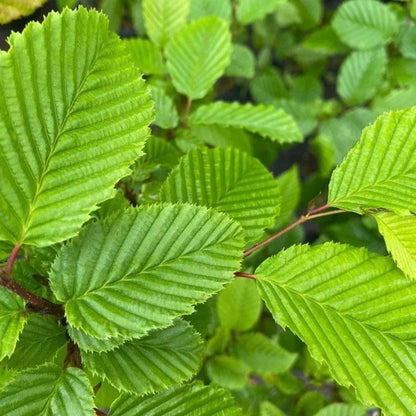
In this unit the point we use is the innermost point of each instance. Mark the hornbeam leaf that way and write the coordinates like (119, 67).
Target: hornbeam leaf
(198, 55)
(249, 11)
(89, 343)
(365, 24)
(13, 9)
(229, 372)
(265, 120)
(164, 18)
(164, 358)
(12, 321)
(74, 114)
(399, 232)
(146, 55)
(203, 8)
(342, 409)
(356, 312)
(48, 390)
(193, 400)
(229, 181)
(140, 270)
(380, 170)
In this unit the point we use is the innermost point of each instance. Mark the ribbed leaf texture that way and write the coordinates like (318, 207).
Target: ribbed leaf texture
(204, 8)
(198, 55)
(356, 311)
(74, 115)
(380, 170)
(360, 75)
(265, 120)
(249, 11)
(229, 372)
(269, 409)
(166, 112)
(164, 358)
(146, 55)
(13, 9)
(342, 409)
(164, 18)
(40, 340)
(229, 181)
(48, 391)
(12, 320)
(192, 400)
(144, 267)
(262, 354)
(399, 232)
(87, 342)
(239, 305)
(365, 24)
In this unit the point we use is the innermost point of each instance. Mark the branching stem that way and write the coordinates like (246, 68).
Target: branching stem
(12, 259)
(245, 275)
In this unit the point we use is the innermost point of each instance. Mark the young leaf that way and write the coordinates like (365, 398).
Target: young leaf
(242, 62)
(342, 409)
(48, 390)
(193, 400)
(365, 24)
(12, 320)
(198, 55)
(144, 268)
(360, 75)
(265, 120)
(248, 11)
(380, 170)
(79, 120)
(166, 113)
(89, 343)
(13, 9)
(114, 11)
(399, 233)
(204, 8)
(355, 310)
(269, 409)
(160, 360)
(229, 372)
(164, 18)
(239, 305)
(229, 181)
(146, 55)
(262, 354)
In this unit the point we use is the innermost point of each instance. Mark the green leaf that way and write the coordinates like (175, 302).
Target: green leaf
(268, 87)
(355, 311)
(229, 372)
(204, 8)
(39, 342)
(365, 24)
(13, 9)
(264, 120)
(248, 11)
(114, 11)
(81, 120)
(342, 409)
(12, 320)
(89, 343)
(269, 409)
(396, 99)
(262, 354)
(144, 268)
(193, 400)
(166, 113)
(229, 181)
(160, 360)
(242, 62)
(310, 12)
(146, 55)
(380, 170)
(324, 40)
(290, 190)
(164, 18)
(198, 55)
(48, 390)
(361, 75)
(399, 233)
(407, 42)
(239, 305)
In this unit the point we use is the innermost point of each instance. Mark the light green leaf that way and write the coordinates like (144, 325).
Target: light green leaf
(265, 120)
(40, 340)
(239, 305)
(79, 120)
(290, 189)
(146, 55)
(395, 99)
(89, 343)
(13, 9)
(269, 409)
(324, 40)
(399, 232)
(144, 268)
(204, 8)
(229, 372)
(198, 55)
(355, 311)
(365, 24)
(248, 11)
(135, 9)
(160, 360)
(342, 409)
(229, 181)
(380, 170)
(262, 354)
(360, 75)
(12, 320)
(114, 11)
(407, 42)
(164, 18)
(268, 87)
(193, 400)
(48, 390)
(242, 62)
(310, 12)
(166, 113)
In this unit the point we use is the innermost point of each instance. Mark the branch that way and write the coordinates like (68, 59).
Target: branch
(73, 355)
(245, 275)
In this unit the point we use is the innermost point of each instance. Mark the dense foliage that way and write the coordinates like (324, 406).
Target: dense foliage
(212, 215)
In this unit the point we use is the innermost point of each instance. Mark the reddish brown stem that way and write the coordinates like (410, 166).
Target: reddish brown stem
(317, 210)
(99, 412)
(245, 275)
(73, 355)
(187, 111)
(12, 259)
